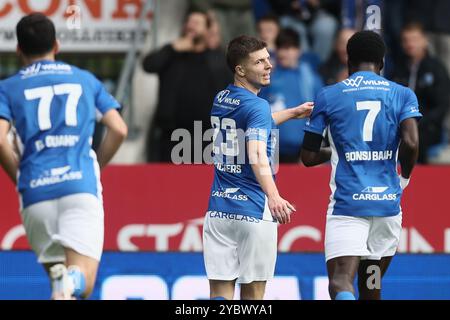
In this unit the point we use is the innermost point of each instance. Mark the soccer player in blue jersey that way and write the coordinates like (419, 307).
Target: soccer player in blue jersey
(371, 122)
(240, 230)
(53, 107)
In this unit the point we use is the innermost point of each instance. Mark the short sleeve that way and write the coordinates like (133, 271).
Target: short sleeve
(104, 101)
(318, 120)
(259, 122)
(5, 108)
(410, 106)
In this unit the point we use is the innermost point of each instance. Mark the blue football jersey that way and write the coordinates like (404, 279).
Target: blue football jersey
(363, 115)
(54, 106)
(238, 116)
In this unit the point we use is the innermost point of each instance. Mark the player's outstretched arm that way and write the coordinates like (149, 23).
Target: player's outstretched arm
(299, 112)
(257, 154)
(312, 153)
(409, 146)
(116, 133)
(8, 159)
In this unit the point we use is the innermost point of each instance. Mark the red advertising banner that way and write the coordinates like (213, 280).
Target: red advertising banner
(161, 208)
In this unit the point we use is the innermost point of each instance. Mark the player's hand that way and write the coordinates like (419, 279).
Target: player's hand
(281, 209)
(183, 44)
(303, 110)
(404, 182)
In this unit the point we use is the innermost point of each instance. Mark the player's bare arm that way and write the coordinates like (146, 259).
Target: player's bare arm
(312, 153)
(299, 112)
(8, 158)
(257, 154)
(409, 146)
(116, 133)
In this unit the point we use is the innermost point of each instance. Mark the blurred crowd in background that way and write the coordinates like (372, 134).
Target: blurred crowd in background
(307, 43)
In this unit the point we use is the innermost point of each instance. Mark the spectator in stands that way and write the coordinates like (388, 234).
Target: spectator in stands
(335, 68)
(434, 16)
(268, 28)
(235, 17)
(427, 76)
(190, 75)
(315, 25)
(214, 36)
(293, 82)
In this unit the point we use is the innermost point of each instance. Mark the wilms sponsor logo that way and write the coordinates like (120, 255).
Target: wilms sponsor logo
(356, 82)
(222, 96)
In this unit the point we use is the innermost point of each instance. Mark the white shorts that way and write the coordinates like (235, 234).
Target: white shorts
(367, 237)
(233, 248)
(74, 222)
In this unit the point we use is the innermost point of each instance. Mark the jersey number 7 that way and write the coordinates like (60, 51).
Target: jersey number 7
(45, 96)
(374, 108)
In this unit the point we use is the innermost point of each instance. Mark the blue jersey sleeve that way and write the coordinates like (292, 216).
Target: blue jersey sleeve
(5, 109)
(104, 101)
(259, 122)
(410, 106)
(318, 120)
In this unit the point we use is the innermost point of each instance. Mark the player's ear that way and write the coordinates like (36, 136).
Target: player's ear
(240, 70)
(56, 47)
(20, 53)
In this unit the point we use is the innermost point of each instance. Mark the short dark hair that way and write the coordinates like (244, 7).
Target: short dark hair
(366, 46)
(287, 38)
(208, 19)
(414, 26)
(270, 17)
(239, 49)
(36, 34)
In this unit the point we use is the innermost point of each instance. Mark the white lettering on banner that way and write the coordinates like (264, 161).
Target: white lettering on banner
(128, 287)
(415, 243)
(160, 232)
(447, 240)
(321, 288)
(82, 25)
(12, 236)
(411, 240)
(191, 237)
(188, 287)
(296, 233)
(418, 244)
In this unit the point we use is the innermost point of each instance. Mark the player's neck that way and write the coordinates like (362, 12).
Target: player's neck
(365, 67)
(243, 83)
(31, 60)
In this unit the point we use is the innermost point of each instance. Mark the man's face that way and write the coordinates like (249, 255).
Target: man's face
(414, 43)
(268, 31)
(257, 68)
(288, 57)
(341, 44)
(196, 26)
